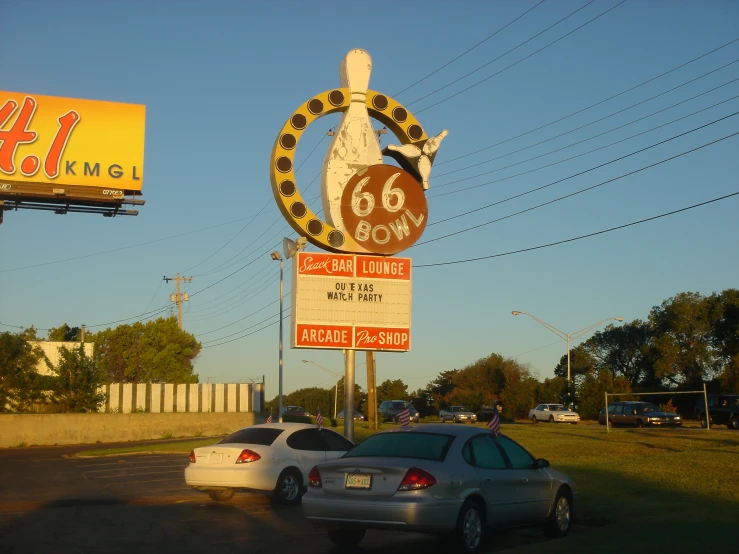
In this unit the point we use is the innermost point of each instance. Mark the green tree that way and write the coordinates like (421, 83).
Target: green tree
(392, 390)
(624, 349)
(156, 352)
(725, 337)
(592, 390)
(551, 390)
(682, 350)
(20, 384)
(64, 333)
(77, 381)
(581, 361)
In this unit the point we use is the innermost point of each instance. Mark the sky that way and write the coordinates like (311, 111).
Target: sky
(219, 79)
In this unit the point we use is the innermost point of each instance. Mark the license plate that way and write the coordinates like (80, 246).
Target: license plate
(358, 481)
(215, 458)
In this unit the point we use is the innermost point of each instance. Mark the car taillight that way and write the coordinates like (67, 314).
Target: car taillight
(192, 457)
(247, 456)
(417, 479)
(314, 478)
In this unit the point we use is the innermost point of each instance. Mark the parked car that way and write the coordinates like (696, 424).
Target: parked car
(438, 479)
(389, 410)
(723, 409)
(357, 415)
(295, 410)
(274, 457)
(457, 414)
(638, 414)
(553, 413)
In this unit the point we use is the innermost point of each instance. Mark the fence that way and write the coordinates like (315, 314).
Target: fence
(170, 397)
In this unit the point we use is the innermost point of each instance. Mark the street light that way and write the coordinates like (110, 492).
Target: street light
(568, 336)
(291, 248)
(338, 377)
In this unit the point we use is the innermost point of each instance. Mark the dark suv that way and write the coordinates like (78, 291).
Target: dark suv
(638, 414)
(390, 409)
(722, 408)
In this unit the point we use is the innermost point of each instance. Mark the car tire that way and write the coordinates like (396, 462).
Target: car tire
(704, 421)
(289, 488)
(470, 530)
(734, 423)
(454, 419)
(395, 419)
(221, 495)
(533, 419)
(441, 419)
(346, 538)
(551, 419)
(560, 520)
(639, 423)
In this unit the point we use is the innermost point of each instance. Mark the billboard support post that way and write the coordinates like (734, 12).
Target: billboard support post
(349, 394)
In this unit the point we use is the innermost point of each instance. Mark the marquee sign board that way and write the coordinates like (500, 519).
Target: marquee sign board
(345, 301)
(68, 154)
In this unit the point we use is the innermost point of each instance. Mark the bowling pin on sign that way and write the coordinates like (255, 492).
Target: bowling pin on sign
(355, 144)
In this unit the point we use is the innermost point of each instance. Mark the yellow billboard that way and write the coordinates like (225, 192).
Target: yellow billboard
(67, 142)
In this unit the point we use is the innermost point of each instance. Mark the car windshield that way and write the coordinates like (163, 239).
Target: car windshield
(642, 408)
(424, 446)
(400, 405)
(254, 435)
(461, 409)
(557, 408)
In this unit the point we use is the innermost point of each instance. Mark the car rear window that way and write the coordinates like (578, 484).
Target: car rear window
(258, 435)
(424, 446)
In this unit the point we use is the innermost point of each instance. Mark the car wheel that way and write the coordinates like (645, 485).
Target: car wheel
(533, 419)
(395, 419)
(346, 538)
(470, 530)
(734, 423)
(454, 419)
(289, 487)
(441, 419)
(222, 495)
(639, 423)
(704, 422)
(551, 419)
(560, 520)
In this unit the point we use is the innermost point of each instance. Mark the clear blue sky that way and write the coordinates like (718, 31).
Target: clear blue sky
(220, 78)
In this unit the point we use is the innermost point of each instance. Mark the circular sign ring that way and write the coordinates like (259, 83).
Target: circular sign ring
(385, 109)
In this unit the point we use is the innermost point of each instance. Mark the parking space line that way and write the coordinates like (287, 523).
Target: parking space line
(137, 474)
(126, 462)
(137, 482)
(89, 471)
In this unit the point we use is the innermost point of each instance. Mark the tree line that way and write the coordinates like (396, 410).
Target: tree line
(157, 351)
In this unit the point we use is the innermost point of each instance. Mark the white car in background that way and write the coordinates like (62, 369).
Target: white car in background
(274, 457)
(553, 413)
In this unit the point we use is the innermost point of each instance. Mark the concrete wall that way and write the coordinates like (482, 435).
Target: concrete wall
(51, 351)
(49, 429)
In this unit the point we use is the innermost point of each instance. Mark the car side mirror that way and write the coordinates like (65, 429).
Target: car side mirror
(541, 463)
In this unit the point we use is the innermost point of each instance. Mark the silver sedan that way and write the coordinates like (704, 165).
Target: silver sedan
(441, 480)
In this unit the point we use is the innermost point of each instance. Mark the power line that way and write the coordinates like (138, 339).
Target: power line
(568, 159)
(580, 191)
(594, 122)
(519, 61)
(470, 49)
(591, 105)
(502, 55)
(720, 198)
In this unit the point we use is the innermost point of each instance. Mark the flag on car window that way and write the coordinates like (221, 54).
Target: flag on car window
(405, 416)
(319, 418)
(269, 417)
(494, 422)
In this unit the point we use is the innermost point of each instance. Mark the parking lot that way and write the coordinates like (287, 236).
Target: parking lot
(51, 502)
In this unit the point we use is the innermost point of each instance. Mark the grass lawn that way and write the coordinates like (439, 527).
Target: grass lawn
(640, 490)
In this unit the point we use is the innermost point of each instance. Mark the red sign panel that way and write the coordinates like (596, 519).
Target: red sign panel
(382, 338)
(330, 265)
(324, 336)
(384, 268)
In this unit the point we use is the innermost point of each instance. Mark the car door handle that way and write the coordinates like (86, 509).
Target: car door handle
(525, 480)
(488, 481)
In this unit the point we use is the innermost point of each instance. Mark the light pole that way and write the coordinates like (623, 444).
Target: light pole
(568, 336)
(336, 391)
(276, 256)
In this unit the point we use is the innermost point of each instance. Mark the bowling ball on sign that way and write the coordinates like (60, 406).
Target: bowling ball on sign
(384, 209)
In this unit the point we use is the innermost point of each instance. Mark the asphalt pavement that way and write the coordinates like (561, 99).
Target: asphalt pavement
(51, 501)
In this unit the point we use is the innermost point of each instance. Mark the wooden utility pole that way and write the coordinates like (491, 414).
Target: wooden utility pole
(371, 390)
(179, 298)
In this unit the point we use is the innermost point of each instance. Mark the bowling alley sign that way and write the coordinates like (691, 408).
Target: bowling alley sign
(357, 296)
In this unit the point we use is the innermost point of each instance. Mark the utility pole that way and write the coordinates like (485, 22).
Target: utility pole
(179, 298)
(371, 390)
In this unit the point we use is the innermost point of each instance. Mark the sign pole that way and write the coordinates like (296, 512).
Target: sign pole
(349, 395)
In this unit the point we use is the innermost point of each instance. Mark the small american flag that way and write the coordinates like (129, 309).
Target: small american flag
(319, 418)
(269, 418)
(494, 422)
(405, 416)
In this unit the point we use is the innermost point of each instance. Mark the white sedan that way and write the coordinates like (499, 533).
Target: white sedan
(275, 457)
(553, 413)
